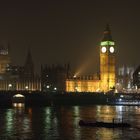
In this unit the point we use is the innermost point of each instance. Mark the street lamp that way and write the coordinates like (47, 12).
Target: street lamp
(55, 88)
(26, 87)
(9, 86)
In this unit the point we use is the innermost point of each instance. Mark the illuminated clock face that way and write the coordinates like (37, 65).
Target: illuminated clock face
(111, 49)
(103, 49)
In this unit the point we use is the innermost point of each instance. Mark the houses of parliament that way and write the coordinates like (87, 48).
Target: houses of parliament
(106, 79)
(17, 78)
(59, 77)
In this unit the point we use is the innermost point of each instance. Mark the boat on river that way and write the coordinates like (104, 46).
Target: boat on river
(104, 124)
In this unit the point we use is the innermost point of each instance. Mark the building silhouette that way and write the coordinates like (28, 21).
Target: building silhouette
(136, 77)
(125, 77)
(53, 78)
(4, 59)
(19, 78)
(60, 77)
(29, 66)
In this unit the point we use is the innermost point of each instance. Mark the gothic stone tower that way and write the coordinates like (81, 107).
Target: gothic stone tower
(4, 59)
(107, 61)
(29, 66)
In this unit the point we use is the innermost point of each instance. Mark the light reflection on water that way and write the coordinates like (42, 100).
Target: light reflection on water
(61, 122)
(18, 105)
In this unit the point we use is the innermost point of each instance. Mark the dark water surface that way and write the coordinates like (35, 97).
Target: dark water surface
(61, 123)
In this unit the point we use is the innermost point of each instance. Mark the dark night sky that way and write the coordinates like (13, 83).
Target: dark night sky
(61, 31)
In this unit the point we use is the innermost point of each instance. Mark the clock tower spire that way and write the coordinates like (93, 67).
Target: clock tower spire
(107, 60)
(107, 34)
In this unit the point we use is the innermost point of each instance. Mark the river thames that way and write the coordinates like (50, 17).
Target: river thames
(61, 123)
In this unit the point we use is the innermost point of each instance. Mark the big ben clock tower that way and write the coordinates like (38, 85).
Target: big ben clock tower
(107, 61)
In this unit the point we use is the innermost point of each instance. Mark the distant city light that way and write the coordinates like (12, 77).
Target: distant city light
(26, 87)
(76, 88)
(122, 96)
(10, 85)
(120, 99)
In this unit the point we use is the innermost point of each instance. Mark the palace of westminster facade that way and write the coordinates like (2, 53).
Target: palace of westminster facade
(58, 77)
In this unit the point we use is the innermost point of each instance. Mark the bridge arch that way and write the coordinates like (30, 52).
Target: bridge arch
(18, 98)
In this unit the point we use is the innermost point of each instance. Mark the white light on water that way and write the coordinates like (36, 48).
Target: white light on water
(18, 105)
(120, 99)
